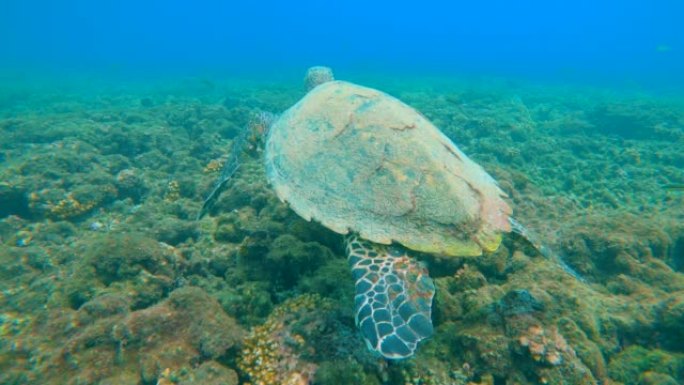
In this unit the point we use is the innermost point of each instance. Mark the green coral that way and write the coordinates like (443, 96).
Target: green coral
(346, 372)
(130, 263)
(636, 363)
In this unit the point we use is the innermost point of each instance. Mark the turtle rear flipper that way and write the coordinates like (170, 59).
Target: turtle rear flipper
(518, 228)
(393, 302)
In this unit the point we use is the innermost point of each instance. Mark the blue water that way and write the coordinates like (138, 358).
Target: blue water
(636, 43)
(121, 121)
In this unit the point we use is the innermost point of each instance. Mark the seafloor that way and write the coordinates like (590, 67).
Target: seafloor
(106, 276)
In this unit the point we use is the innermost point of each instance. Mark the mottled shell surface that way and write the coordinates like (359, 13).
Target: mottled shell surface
(356, 159)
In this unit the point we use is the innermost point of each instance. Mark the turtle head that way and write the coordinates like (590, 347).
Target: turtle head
(316, 76)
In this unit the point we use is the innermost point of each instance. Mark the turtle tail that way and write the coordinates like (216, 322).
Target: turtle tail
(546, 252)
(393, 302)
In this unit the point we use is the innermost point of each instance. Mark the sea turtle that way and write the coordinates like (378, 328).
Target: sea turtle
(364, 164)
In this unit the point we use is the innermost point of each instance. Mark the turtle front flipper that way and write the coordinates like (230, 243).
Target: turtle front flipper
(249, 137)
(393, 302)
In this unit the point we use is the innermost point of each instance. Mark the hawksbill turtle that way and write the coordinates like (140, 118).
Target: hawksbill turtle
(364, 164)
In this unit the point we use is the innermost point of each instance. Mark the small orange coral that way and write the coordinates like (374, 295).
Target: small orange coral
(214, 165)
(70, 207)
(269, 354)
(172, 191)
(547, 346)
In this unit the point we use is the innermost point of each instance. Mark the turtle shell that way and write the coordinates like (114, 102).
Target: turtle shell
(356, 159)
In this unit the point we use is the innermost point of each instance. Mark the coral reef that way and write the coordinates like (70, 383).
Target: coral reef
(106, 275)
(105, 342)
